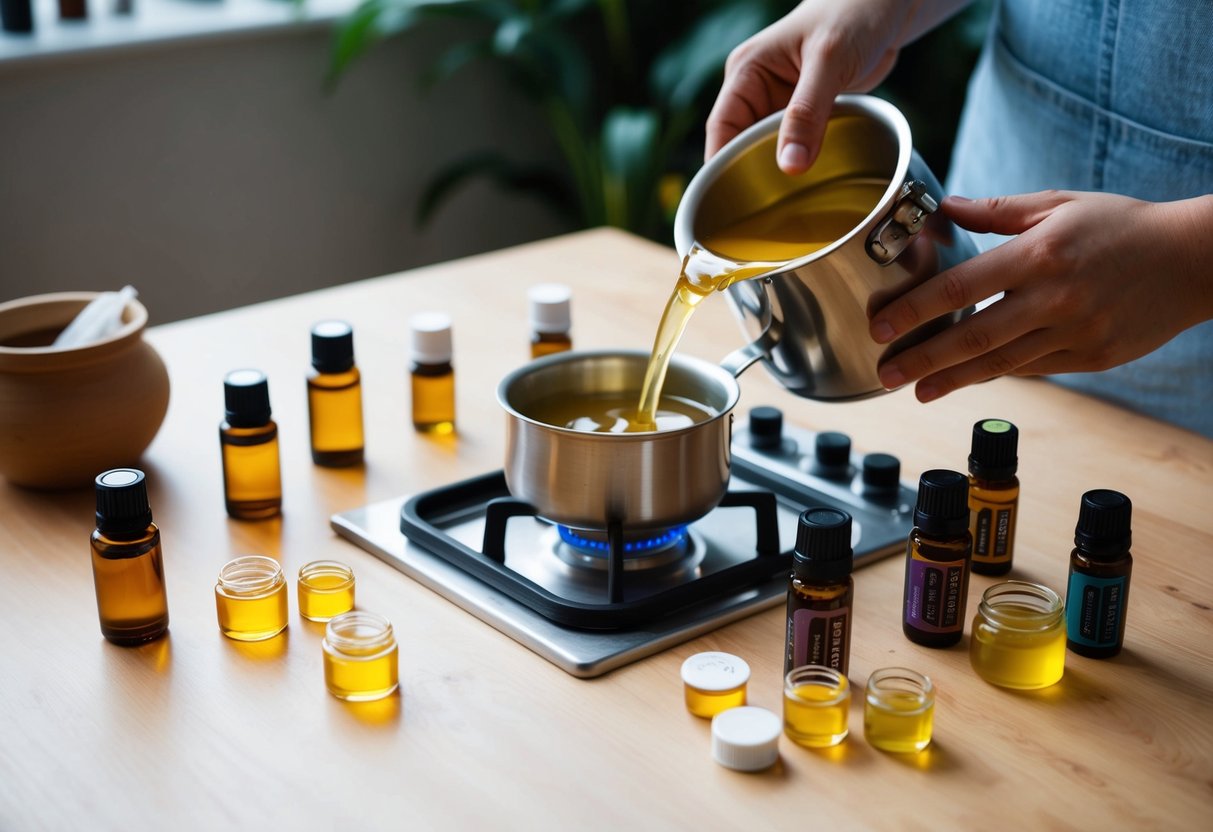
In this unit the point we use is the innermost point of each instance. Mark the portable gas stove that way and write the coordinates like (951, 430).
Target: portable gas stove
(592, 601)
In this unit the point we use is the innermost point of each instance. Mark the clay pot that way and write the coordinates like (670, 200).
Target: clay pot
(66, 415)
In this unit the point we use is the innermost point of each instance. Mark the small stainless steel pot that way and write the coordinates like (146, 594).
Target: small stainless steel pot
(808, 321)
(646, 481)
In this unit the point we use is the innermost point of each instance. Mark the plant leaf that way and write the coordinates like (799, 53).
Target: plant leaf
(630, 141)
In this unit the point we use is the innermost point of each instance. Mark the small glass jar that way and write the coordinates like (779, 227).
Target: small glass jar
(250, 598)
(714, 682)
(1019, 636)
(326, 589)
(898, 710)
(816, 706)
(360, 657)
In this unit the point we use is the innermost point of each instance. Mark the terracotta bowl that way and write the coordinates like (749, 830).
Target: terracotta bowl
(66, 415)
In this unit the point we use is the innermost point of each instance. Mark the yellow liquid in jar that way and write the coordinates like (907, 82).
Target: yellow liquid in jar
(708, 703)
(898, 721)
(1020, 659)
(816, 715)
(794, 227)
(361, 678)
(254, 618)
(325, 595)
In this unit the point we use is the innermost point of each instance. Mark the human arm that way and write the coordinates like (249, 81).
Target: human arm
(805, 59)
(1091, 281)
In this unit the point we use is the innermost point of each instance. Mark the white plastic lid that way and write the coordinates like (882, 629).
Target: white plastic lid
(715, 671)
(746, 738)
(431, 337)
(550, 310)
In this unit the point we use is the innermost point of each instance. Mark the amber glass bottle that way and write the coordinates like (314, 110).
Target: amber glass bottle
(821, 592)
(937, 561)
(1097, 595)
(248, 438)
(432, 377)
(334, 397)
(993, 495)
(550, 319)
(128, 567)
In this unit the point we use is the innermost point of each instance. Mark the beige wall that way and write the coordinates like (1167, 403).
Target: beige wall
(216, 173)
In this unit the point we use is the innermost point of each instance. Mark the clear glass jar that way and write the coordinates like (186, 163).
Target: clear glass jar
(360, 657)
(816, 706)
(898, 710)
(1019, 636)
(326, 589)
(250, 598)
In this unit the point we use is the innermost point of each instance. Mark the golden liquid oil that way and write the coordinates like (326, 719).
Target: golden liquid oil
(899, 710)
(129, 579)
(433, 388)
(616, 413)
(250, 599)
(794, 227)
(816, 707)
(550, 343)
(326, 589)
(335, 414)
(1021, 659)
(252, 477)
(361, 657)
(708, 703)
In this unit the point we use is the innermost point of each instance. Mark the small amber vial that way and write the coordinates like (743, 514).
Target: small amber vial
(993, 495)
(432, 376)
(551, 319)
(1101, 565)
(360, 657)
(248, 438)
(1019, 636)
(326, 589)
(250, 598)
(816, 706)
(898, 710)
(128, 566)
(334, 397)
(714, 682)
(938, 556)
(821, 593)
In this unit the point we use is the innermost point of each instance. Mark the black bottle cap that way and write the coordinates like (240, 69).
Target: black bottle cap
(246, 395)
(1104, 523)
(993, 455)
(881, 472)
(833, 449)
(766, 427)
(823, 545)
(122, 505)
(943, 502)
(332, 346)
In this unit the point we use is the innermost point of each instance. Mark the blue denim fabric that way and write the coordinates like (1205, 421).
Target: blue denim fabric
(1101, 95)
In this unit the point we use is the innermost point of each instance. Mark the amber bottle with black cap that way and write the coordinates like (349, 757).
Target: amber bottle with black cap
(938, 555)
(248, 437)
(334, 397)
(821, 592)
(993, 495)
(1097, 595)
(128, 567)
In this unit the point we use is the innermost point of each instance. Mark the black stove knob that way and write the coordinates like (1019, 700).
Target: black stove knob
(881, 474)
(766, 428)
(832, 455)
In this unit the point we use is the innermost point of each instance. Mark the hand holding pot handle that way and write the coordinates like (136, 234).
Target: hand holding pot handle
(804, 60)
(1091, 281)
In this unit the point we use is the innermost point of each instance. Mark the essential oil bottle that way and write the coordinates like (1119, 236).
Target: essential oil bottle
(432, 375)
(937, 561)
(248, 438)
(551, 319)
(1097, 595)
(993, 495)
(334, 397)
(128, 567)
(821, 592)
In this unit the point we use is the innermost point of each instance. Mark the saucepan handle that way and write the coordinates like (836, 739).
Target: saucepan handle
(756, 304)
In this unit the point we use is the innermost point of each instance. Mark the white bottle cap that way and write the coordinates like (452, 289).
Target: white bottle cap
(431, 337)
(550, 312)
(715, 671)
(746, 738)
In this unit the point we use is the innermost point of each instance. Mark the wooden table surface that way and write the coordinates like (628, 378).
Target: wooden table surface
(199, 732)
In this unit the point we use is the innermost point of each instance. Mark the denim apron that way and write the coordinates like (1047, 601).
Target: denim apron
(1101, 95)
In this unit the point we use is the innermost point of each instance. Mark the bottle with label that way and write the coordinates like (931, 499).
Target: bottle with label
(334, 396)
(550, 319)
(432, 378)
(1097, 594)
(248, 438)
(821, 593)
(993, 495)
(937, 561)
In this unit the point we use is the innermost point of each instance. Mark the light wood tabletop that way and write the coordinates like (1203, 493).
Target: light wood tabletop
(199, 732)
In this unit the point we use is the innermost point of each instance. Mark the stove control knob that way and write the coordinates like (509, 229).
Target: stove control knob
(832, 455)
(881, 476)
(766, 428)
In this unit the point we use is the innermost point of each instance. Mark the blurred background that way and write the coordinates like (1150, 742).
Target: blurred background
(215, 153)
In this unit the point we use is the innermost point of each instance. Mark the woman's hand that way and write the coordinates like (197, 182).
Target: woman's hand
(1091, 281)
(805, 59)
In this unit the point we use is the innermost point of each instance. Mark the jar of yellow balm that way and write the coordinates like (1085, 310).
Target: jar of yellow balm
(1019, 636)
